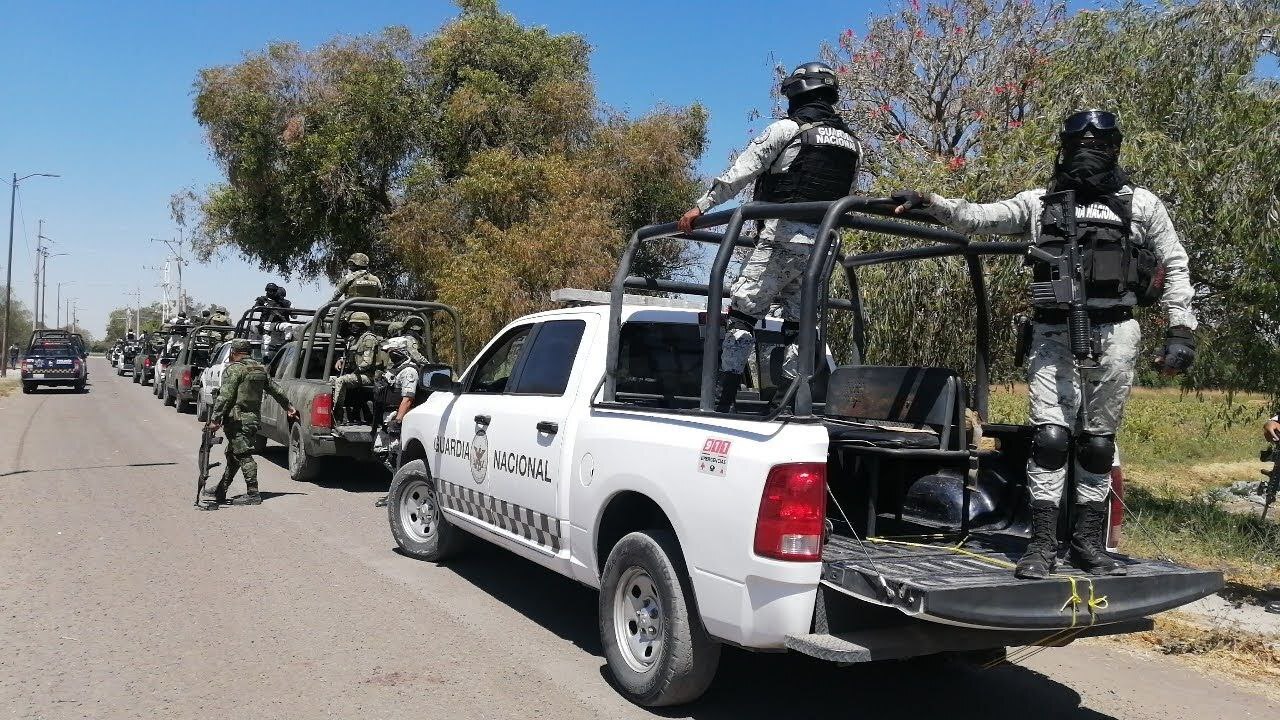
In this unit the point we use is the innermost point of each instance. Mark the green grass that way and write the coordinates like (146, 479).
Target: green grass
(1178, 451)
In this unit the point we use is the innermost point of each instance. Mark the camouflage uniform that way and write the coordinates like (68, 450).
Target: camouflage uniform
(365, 351)
(407, 341)
(773, 273)
(1056, 394)
(358, 283)
(237, 408)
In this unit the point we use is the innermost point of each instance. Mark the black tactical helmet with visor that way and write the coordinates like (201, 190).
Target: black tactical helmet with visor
(1093, 124)
(809, 77)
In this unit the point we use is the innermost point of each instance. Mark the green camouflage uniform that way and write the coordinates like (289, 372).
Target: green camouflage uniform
(237, 407)
(365, 351)
(358, 283)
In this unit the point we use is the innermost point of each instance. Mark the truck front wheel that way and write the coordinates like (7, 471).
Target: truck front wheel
(652, 634)
(417, 522)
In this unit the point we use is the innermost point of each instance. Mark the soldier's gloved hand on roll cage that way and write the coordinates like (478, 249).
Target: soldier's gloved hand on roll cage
(1179, 351)
(908, 200)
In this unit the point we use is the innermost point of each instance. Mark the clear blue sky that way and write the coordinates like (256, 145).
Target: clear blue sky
(101, 94)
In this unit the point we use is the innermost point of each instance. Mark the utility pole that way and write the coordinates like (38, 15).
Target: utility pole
(57, 302)
(137, 314)
(35, 302)
(176, 248)
(8, 280)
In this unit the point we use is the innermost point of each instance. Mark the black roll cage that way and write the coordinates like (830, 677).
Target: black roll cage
(258, 313)
(853, 212)
(427, 310)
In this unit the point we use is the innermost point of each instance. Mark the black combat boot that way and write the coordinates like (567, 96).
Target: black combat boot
(727, 385)
(1042, 551)
(251, 496)
(1088, 546)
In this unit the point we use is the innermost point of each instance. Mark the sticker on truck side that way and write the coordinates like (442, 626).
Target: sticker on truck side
(714, 458)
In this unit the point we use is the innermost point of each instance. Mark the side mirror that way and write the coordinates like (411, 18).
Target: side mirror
(442, 381)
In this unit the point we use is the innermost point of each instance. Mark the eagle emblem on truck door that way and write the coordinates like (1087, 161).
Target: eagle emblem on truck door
(479, 455)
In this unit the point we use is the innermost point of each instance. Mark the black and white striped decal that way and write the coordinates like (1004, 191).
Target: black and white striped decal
(535, 527)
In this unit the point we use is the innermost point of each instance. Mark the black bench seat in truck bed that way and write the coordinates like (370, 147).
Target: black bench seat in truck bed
(931, 580)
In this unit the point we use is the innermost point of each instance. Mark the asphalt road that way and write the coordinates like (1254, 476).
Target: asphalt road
(119, 600)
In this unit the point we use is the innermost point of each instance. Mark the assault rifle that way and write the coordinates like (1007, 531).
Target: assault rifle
(1066, 284)
(208, 438)
(1267, 488)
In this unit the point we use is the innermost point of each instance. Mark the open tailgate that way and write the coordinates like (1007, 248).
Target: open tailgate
(974, 586)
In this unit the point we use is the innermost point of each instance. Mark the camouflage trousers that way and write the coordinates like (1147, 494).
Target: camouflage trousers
(770, 277)
(1096, 406)
(242, 433)
(344, 383)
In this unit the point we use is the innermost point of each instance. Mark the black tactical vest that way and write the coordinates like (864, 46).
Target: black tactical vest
(1114, 261)
(825, 167)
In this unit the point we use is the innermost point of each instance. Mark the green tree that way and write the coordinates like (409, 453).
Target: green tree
(151, 320)
(478, 154)
(19, 328)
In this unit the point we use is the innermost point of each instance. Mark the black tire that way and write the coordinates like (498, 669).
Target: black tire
(423, 535)
(686, 657)
(28, 388)
(302, 467)
(202, 411)
(184, 406)
(137, 379)
(170, 397)
(81, 387)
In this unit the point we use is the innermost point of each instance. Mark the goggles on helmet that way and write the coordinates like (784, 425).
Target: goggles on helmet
(1083, 120)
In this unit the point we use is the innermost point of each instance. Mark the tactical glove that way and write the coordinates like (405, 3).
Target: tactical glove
(393, 428)
(905, 200)
(1179, 349)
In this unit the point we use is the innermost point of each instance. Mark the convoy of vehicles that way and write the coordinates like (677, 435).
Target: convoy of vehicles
(855, 513)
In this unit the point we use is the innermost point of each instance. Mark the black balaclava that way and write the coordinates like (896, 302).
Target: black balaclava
(816, 106)
(1093, 171)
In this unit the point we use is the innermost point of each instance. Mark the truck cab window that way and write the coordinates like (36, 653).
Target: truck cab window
(495, 369)
(550, 360)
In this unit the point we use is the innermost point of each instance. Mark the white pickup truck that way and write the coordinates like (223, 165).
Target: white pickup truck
(825, 535)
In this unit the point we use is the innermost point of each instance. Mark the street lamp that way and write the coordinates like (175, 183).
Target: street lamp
(8, 281)
(57, 303)
(44, 281)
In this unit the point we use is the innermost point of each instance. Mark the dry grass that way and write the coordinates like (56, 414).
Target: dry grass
(7, 386)
(1244, 655)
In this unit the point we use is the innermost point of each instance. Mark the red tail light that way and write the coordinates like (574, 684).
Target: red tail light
(1115, 533)
(146, 362)
(186, 377)
(793, 508)
(322, 411)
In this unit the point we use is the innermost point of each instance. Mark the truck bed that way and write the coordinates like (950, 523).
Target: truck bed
(974, 586)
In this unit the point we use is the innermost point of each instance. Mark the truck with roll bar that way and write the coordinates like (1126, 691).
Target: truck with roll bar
(305, 367)
(852, 513)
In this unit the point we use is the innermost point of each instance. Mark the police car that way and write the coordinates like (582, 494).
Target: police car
(53, 364)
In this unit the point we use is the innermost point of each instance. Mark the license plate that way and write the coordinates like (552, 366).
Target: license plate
(64, 362)
(38, 376)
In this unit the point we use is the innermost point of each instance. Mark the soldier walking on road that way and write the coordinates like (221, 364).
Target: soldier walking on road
(810, 155)
(361, 360)
(236, 410)
(1125, 236)
(13, 355)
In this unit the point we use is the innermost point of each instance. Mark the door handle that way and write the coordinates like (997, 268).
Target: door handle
(483, 420)
(548, 427)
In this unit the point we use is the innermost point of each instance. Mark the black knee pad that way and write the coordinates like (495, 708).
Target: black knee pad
(1095, 453)
(1050, 446)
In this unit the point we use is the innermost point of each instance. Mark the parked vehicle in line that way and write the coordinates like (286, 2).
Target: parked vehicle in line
(857, 513)
(182, 377)
(53, 363)
(305, 368)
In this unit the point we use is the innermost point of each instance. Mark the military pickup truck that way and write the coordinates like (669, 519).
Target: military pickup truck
(853, 513)
(305, 367)
(182, 378)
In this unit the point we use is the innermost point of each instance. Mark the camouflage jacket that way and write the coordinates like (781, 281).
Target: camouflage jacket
(360, 283)
(367, 354)
(240, 395)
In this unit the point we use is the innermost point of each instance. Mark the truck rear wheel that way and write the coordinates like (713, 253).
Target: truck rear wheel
(653, 638)
(417, 523)
(170, 397)
(202, 411)
(301, 465)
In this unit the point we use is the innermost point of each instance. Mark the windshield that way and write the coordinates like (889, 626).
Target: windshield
(56, 351)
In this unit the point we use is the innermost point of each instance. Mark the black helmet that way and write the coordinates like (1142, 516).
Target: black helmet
(807, 77)
(272, 288)
(1092, 123)
(280, 293)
